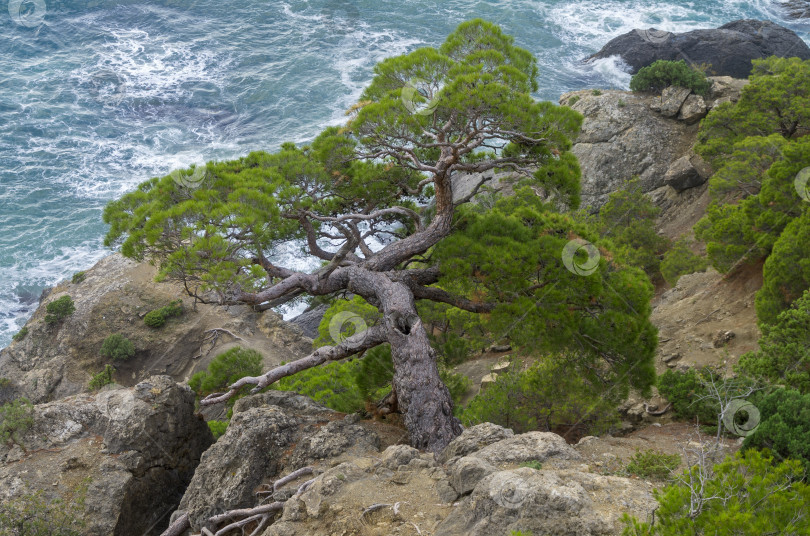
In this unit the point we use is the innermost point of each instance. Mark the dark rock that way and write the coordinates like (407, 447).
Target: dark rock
(687, 172)
(796, 9)
(727, 50)
(310, 319)
(270, 435)
(136, 448)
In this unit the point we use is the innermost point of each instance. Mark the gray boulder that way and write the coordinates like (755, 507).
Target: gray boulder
(688, 171)
(135, 450)
(270, 435)
(727, 50)
(475, 438)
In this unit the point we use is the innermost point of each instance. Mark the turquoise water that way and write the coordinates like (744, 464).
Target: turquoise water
(96, 96)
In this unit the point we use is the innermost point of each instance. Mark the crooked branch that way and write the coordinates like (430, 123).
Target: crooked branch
(356, 343)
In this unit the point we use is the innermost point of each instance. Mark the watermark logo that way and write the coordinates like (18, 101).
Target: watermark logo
(346, 324)
(509, 490)
(117, 406)
(741, 417)
(801, 184)
(415, 101)
(107, 87)
(28, 13)
(573, 253)
(654, 36)
(190, 179)
(340, 16)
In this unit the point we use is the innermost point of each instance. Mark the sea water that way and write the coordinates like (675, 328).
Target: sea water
(99, 95)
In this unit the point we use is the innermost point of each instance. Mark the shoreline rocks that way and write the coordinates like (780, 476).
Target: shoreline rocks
(727, 50)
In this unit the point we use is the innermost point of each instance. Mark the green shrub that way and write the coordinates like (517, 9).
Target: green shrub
(117, 347)
(218, 428)
(350, 386)
(158, 317)
(786, 274)
(225, 369)
(59, 309)
(757, 147)
(663, 73)
(15, 418)
(748, 494)
(627, 221)
(686, 393)
(105, 377)
(784, 425)
(78, 277)
(33, 514)
(680, 261)
(550, 396)
(784, 349)
(372, 374)
(653, 464)
(334, 385)
(573, 100)
(20, 335)
(596, 92)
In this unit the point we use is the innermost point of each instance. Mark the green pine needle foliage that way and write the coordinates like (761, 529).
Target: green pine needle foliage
(225, 369)
(758, 146)
(680, 260)
(548, 396)
(784, 349)
(16, 417)
(117, 347)
(784, 426)
(748, 494)
(59, 309)
(664, 73)
(105, 377)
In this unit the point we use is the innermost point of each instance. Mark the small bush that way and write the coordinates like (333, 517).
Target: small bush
(158, 317)
(549, 396)
(784, 426)
(596, 92)
(748, 494)
(105, 377)
(653, 464)
(784, 349)
(685, 391)
(15, 418)
(225, 369)
(681, 261)
(627, 221)
(662, 74)
(217, 428)
(34, 515)
(20, 335)
(117, 347)
(573, 100)
(59, 309)
(78, 277)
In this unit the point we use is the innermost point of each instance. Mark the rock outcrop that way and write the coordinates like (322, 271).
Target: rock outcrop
(626, 134)
(481, 490)
(270, 435)
(726, 51)
(134, 449)
(54, 361)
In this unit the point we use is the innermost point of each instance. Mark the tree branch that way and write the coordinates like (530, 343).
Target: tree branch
(356, 343)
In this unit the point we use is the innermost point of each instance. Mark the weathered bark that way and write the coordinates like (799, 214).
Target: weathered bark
(421, 395)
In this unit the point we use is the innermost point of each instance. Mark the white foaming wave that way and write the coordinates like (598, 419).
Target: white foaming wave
(613, 70)
(31, 271)
(591, 23)
(359, 51)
